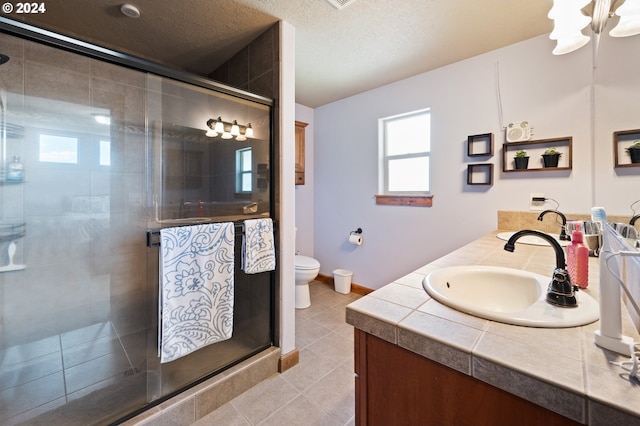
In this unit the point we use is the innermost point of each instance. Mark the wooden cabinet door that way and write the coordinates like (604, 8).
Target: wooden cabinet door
(395, 386)
(300, 136)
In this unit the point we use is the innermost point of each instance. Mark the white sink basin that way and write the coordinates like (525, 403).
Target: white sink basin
(531, 239)
(506, 295)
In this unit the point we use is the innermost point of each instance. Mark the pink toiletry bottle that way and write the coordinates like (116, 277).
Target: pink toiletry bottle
(578, 259)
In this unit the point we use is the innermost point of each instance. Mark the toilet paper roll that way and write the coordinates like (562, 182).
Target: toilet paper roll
(355, 239)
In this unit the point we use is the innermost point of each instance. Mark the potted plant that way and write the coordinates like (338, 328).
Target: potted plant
(634, 151)
(551, 157)
(521, 159)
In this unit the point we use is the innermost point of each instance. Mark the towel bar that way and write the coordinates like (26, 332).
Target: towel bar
(153, 236)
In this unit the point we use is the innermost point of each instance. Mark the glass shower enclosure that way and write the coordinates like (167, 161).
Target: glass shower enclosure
(95, 159)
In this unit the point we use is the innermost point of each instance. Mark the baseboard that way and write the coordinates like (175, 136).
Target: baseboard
(288, 360)
(355, 288)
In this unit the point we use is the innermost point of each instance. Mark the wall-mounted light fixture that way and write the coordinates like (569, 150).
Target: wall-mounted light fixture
(570, 18)
(226, 130)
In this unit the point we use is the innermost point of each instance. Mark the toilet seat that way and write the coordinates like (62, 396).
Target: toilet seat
(306, 263)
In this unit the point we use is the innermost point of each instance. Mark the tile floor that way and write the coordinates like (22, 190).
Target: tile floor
(55, 376)
(319, 390)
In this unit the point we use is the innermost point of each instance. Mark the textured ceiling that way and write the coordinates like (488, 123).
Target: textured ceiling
(339, 52)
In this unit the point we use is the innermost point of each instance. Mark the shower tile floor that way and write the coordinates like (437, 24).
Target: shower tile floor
(319, 390)
(39, 377)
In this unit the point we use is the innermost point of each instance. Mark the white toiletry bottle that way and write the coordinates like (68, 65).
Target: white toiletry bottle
(15, 170)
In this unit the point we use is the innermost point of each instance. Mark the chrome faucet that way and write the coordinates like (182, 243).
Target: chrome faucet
(563, 233)
(560, 291)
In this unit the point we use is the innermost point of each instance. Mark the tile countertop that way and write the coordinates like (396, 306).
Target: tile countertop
(561, 369)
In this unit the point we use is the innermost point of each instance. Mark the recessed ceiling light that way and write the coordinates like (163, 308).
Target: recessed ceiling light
(340, 4)
(130, 10)
(102, 118)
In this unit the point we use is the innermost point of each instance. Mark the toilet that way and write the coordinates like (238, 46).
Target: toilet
(307, 268)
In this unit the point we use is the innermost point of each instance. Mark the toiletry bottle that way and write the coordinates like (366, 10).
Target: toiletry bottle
(15, 170)
(578, 258)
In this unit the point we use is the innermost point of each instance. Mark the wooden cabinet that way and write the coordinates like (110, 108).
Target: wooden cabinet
(395, 386)
(300, 131)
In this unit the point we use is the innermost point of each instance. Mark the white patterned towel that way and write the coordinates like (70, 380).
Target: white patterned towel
(196, 288)
(258, 249)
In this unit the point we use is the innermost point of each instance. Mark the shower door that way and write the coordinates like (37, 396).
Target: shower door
(201, 176)
(72, 331)
(109, 153)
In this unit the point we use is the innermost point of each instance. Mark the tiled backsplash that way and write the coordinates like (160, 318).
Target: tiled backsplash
(517, 220)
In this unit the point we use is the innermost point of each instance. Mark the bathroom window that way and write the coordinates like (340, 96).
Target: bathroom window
(405, 159)
(245, 171)
(58, 149)
(105, 153)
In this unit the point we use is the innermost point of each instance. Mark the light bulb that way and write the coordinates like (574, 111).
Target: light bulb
(211, 133)
(241, 138)
(235, 129)
(249, 131)
(219, 127)
(226, 135)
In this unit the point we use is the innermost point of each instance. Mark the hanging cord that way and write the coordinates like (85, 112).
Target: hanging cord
(558, 220)
(633, 204)
(502, 126)
(557, 203)
(632, 365)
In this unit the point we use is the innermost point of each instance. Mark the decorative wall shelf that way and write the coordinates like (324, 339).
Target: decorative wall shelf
(535, 149)
(480, 145)
(480, 174)
(621, 141)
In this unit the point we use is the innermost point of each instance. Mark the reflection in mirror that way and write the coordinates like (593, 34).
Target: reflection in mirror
(213, 178)
(211, 155)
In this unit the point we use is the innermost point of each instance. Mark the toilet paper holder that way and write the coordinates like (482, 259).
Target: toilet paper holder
(357, 231)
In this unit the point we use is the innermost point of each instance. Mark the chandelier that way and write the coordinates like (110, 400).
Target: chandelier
(570, 18)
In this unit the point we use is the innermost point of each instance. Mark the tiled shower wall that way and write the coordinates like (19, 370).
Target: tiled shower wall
(254, 68)
(80, 247)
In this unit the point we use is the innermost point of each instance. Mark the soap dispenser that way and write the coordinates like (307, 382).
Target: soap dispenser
(578, 258)
(15, 170)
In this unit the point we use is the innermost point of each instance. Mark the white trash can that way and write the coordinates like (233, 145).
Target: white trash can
(342, 280)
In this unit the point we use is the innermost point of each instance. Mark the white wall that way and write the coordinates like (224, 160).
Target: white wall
(553, 93)
(287, 319)
(304, 193)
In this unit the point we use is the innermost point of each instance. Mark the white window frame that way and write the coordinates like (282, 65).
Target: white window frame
(241, 172)
(385, 159)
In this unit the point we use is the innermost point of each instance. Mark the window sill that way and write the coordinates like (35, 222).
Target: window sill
(405, 200)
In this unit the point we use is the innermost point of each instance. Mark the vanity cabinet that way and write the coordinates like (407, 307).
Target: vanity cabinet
(395, 386)
(300, 133)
